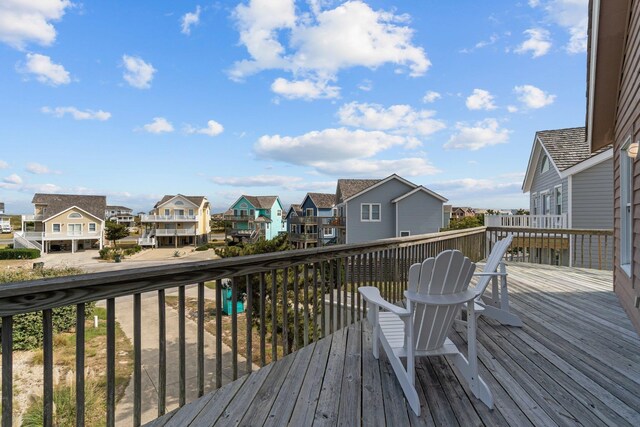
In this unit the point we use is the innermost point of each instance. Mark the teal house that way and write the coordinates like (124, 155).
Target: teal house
(253, 217)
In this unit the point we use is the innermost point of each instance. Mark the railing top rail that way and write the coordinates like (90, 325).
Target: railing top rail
(595, 232)
(23, 297)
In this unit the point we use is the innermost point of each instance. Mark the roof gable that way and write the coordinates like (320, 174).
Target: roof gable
(348, 187)
(70, 208)
(378, 184)
(194, 200)
(259, 202)
(420, 189)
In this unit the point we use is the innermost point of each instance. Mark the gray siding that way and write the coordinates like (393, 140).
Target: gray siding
(359, 231)
(547, 182)
(592, 197)
(419, 213)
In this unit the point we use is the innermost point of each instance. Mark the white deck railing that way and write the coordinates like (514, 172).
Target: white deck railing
(526, 221)
(170, 218)
(175, 232)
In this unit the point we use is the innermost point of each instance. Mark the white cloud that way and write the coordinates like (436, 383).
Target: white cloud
(512, 108)
(213, 129)
(13, 179)
(158, 125)
(481, 134)
(77, 114)
(3, 164)
(431, 96)
(503, 191)
(304, 89)
(480, 99)
(366, 85)
(188, 20)
(398, 119)
(256, 181)
(411, 166)
(25, 21)
(538, 42)
(533, 97)
(138, 73)
(39, 169)
(327, 145)
(45, 71)
(318, 45)
(482, 43)
(573, 16)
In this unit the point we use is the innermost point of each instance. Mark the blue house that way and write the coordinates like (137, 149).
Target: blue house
(311, 223)
(255, 217)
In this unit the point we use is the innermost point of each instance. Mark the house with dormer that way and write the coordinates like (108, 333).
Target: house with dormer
(176, 221)
(63, 222)
(255, 217)
(372, 209)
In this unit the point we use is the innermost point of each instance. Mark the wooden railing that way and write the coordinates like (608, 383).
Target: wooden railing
(569, 247)
(286, 308)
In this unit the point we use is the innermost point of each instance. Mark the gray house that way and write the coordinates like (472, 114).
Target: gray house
(569, 186)
(372, 209)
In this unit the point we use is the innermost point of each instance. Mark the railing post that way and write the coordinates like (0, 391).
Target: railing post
(7, 371)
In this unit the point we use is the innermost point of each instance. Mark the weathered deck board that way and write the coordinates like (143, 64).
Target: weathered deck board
(574, 362)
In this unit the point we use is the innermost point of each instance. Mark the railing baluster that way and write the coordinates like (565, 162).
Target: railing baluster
(137, 362)
(590, 246)
(344, 273)
(200, 326)
(111, 362)
(249, 316)
(162, 354)
(338, 292)
(7, 371)
(285, 312)
(296, 337)
(315, 302)
(47, 346)
(274, 313)
(263, 329)
(323, 305)
(234, 328)
(305, 293)
(181, 348)
(352, 277)
(80, 319)
(218, 333)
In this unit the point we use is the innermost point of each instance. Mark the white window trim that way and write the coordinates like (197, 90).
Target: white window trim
(371, 212)
(555, 201)
(53, 228)
(626, 236)
(79, 215)
(405, 231)
(89, 227)
(308, 211)
(534, 197)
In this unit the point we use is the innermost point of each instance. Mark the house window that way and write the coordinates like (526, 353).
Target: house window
(405, 233)
(545, 164)
(74, 215)
(327, 231)
(74, 230)
(190, 212)
(370, 212)
(179, 212)
(626, 209)
(558, 200)
(167, 212)
(536, 204)
(279, 213)
(546, 203)
(92, 227)
(309, 212)
(56, 228)
(252, 212)
(179, 203)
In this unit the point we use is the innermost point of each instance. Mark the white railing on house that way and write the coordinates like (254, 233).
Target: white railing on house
(175, 232)
(527, 221)
(22, 241)
(147, 241)
(170, 218)
(38, 217)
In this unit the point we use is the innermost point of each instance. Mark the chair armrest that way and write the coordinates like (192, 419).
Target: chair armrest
(449, 299)
(372, 296)
(495, 273)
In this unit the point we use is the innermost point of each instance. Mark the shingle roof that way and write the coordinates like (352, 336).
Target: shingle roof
(196, 200)
(117, 208)
(297, 209)
(56, 203)
(261, 202)
(323, 200)
(349, 187)
(567, 147)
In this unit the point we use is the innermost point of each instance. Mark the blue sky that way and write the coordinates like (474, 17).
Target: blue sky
(135, 100)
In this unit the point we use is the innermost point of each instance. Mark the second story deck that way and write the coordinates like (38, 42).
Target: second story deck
(527, 221)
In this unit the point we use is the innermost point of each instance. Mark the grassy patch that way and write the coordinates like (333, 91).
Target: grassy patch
(95, 374)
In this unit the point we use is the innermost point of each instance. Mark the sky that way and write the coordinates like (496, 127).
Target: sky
(134, 100)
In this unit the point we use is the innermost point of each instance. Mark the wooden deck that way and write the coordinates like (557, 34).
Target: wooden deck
(576, 361)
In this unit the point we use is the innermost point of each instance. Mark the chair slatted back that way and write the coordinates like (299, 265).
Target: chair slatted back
(449, 273)
(493, 261)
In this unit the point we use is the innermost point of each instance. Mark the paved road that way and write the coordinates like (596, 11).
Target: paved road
(124, 315)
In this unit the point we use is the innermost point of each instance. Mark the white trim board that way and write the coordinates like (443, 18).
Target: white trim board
(423, 189)
(587, 163)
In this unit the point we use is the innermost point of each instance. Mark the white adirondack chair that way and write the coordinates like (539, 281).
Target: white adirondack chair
(437, 290)
(496, 306)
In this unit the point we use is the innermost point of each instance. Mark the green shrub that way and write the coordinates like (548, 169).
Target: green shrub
(202, 248)
(27, 328)
(19, 253)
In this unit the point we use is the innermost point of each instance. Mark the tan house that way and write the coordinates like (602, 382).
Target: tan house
(613, 117)
(177, 221)
(63, 222)
(458, 212)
